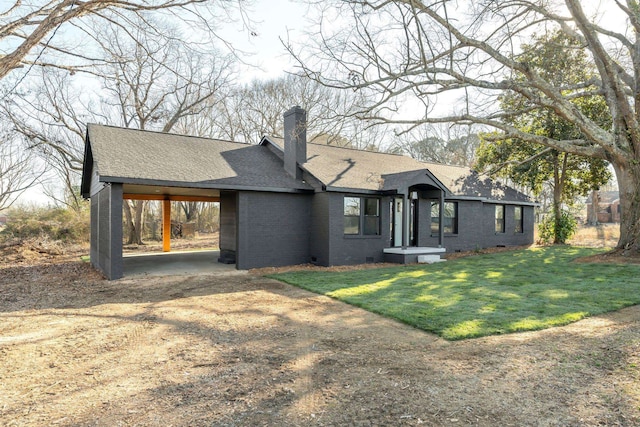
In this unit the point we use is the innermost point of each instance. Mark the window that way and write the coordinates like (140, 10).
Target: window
(351, 215)
(371, 216)
(361, 216)
(499, 218)
(517, 216)
(450, 223)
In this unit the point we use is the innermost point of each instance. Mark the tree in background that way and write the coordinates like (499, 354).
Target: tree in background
(151, 80)
(46, 43)
(421, 53)
(28, 29)
(560, 60)
(17, 171)
(451, 145)
(254, 110)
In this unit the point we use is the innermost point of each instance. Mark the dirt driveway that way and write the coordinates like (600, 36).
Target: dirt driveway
(76, 350)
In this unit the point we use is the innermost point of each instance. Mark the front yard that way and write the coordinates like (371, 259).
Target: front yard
(244, 350)
(485, 295)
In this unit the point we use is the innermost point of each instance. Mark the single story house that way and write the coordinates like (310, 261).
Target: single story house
(286, 201)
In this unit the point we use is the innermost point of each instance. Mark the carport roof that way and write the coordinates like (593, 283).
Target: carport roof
(132, 156)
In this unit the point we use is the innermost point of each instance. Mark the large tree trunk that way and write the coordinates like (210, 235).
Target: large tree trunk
(134, 221)
(628, 176)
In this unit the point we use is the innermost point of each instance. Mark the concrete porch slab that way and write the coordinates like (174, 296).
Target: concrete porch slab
(411, 255)
(415, 250)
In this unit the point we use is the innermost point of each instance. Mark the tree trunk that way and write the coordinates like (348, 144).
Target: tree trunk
(628, 184)
(558, 184)
(134, 223)
(140, 204)
(190, 210)
(593, 215)
(128, 220)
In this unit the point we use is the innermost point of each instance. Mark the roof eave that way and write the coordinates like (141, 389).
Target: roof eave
(216, 186)
(493, 201)
(267, 140)
(87, 167)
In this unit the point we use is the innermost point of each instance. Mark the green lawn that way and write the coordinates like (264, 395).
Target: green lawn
(485, 294)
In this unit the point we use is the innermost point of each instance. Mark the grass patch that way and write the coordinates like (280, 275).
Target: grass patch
(484, 295)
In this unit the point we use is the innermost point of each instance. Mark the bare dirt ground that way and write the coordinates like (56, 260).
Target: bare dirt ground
(76, 350)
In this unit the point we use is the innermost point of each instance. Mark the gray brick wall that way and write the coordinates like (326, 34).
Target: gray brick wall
(273, 229)
(476, 227)
(106, 231)
(345, 250)
(319, 244)
(228, 222)
(277, 229)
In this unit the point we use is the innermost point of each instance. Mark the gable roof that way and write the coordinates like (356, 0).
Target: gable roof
(144, 157)
(347, 169)
(131, 156)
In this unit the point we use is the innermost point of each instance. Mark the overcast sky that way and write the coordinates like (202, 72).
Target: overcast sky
(274, 19)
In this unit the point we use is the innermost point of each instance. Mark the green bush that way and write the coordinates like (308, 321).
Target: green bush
(52, 223)
(550, 232)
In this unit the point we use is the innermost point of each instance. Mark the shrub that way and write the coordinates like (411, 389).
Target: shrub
(51, 223)
(550, 232)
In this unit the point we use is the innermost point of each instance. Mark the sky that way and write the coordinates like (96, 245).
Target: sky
(273, 20)
(267, 59)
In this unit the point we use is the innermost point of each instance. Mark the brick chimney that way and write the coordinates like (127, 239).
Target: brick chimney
(295, 140)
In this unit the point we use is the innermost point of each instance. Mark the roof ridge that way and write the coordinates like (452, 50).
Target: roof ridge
(391, 154)
(166, 133)
(357, 149)
(379, 152)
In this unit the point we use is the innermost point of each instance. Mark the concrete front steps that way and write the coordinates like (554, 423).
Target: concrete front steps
(414, 254)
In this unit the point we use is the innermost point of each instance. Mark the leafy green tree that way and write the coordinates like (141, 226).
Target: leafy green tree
(559, 59)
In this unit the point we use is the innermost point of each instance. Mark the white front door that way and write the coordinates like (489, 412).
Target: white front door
(396, 222)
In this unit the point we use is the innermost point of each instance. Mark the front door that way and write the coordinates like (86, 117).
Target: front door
(397, 218)
(396, 222)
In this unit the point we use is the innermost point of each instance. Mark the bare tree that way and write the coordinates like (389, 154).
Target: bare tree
(465, 54)
(49, 118)
(441, 143)
(18, 171)
(155, 82)
(27, 29)
(256, 109)
(151, 80)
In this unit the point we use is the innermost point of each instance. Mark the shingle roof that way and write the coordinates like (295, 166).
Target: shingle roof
(130, 155)
(347, 168)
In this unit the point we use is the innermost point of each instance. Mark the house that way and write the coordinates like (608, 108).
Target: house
(285, 202)
(607, 209)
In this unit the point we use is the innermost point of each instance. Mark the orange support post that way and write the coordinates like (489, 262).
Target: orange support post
(166, 225)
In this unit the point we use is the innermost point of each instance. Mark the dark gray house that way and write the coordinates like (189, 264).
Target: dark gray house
(286, 202)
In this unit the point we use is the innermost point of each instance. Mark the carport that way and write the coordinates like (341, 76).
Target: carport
(107, 233)
(122, 164)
